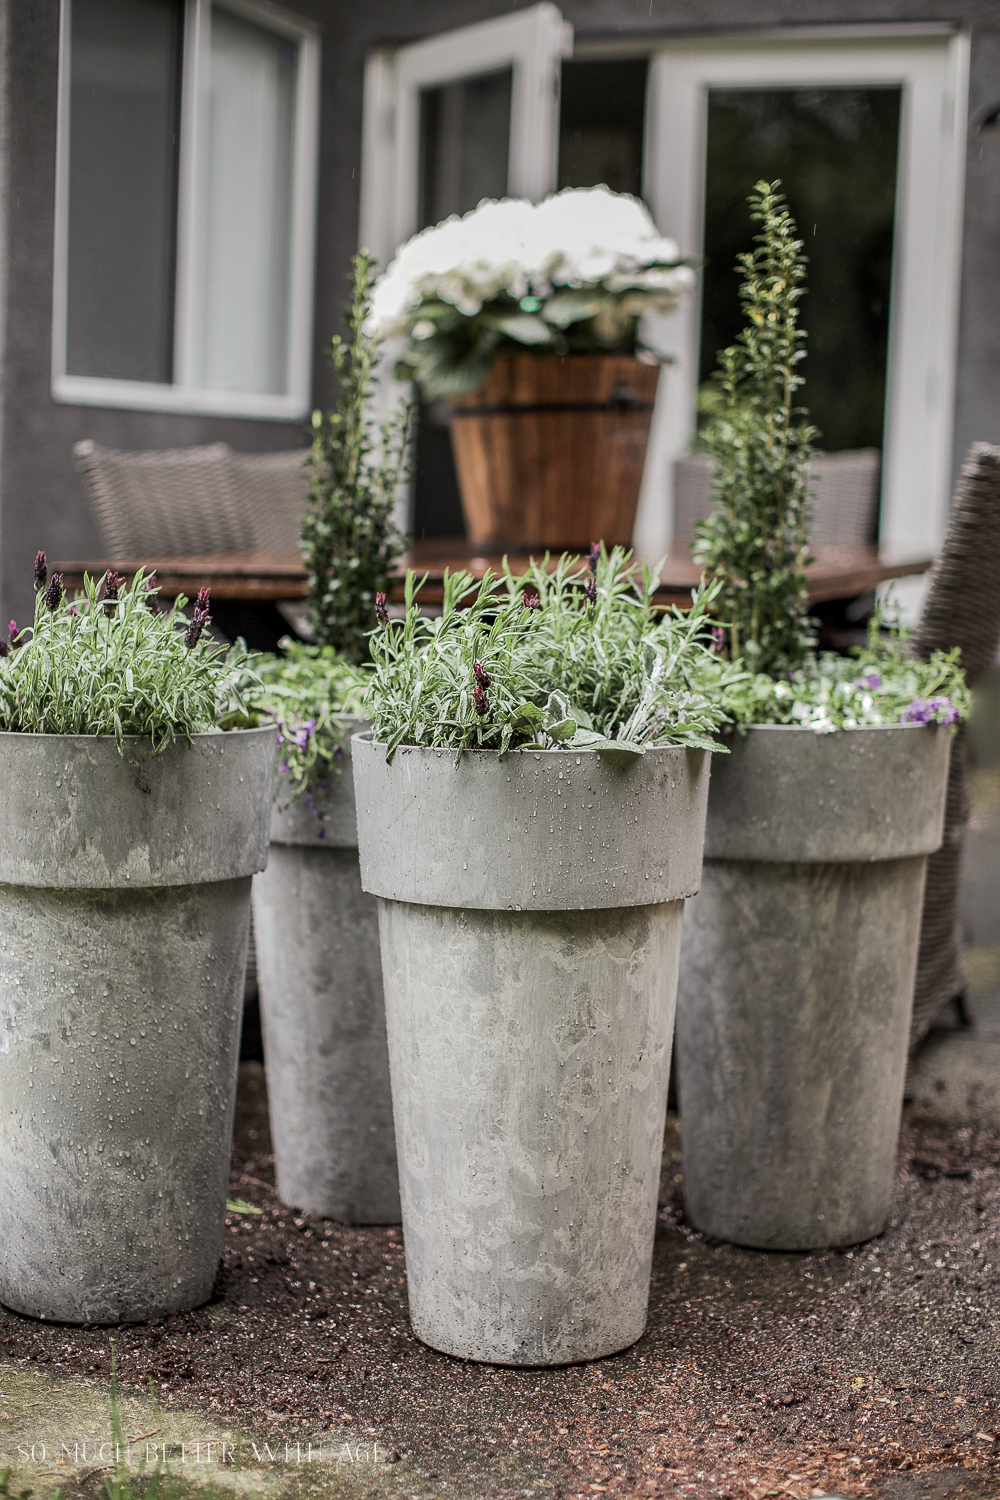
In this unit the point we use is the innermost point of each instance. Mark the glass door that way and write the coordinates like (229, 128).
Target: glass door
(465, 115)
(869, 143)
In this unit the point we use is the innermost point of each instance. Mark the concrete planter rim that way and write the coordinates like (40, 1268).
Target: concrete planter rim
(82, 815)
(137, 739)
(866, 794)
(534, 830)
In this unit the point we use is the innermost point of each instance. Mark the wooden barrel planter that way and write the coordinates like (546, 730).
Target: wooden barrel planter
(550, 451)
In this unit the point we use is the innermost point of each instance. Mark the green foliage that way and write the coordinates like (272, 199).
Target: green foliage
(754, 543)
(570, 658)
(119, 665)
(310, 691)
(882, 683)
(454, 351)
(349, 541)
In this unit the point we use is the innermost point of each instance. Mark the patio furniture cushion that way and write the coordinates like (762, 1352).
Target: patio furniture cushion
(962, 609)
(845, 494)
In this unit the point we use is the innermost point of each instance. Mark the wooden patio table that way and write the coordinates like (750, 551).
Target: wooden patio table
(266, 577)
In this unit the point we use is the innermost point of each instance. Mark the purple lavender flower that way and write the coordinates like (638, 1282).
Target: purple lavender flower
(199, 620)
(54, 593)
(41, 571)
(718, 639)
(480, 702)
(871, 682)
(590, 591)
(594, 556)
(4, 650)
(531, 601)
(13, 631)
(938, 710)
(112, 584)
(381, 612)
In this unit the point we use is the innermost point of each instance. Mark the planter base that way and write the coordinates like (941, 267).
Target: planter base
(530, 1053)
(125, 1006)
(324, 1035)
(793, 1017)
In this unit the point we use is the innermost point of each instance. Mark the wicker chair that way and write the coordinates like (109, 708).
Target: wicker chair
(962, 609)
(845, 490)
(177, 502)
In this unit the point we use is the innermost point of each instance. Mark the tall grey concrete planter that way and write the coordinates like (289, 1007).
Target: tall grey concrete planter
(530, 917)
(320, 975)
(124, 908)
(797, 978)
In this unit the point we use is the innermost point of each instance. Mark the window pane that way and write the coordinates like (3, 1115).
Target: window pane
(253, 74)
(835, 151)
(464, 144)
(601, 111)
(125, 60)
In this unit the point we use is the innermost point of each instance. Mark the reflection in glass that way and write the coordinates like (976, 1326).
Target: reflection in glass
(464, 150)
(464, 144)
(244, 327)
(835, 151)
(125, 58)
(601, 112)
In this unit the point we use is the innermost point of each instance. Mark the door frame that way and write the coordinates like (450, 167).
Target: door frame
(532, 42)
(932, 71)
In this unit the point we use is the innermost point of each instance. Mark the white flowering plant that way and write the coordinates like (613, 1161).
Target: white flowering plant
(572, 274)
(880, 684)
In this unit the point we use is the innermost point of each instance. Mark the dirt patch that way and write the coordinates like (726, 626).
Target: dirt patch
(844, 1372)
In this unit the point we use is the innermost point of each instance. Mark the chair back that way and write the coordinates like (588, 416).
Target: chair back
(963, 602)
(845, 495)
(273, 493)
(177, 502)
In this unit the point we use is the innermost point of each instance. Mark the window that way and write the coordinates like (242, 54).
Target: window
(184, 207)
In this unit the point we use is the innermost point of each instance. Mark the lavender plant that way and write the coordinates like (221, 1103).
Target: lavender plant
(573, 657)
(111, 662)
(310, 691)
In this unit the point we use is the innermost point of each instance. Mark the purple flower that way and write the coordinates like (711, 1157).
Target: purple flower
(199, 620)
(718, 639)
(939, 710)
(482, 677)
(594, 556)
(381, 612)
(480, 702)
(41, 571)
(54, 592)
(4, 650)
(872, 681)
(13, 631)
(112, 584)
(531, 601)
(590, 591)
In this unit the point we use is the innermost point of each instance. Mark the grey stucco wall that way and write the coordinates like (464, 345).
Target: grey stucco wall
(40, 502)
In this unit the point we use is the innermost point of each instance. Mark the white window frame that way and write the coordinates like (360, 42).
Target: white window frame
(532, 42)
(183, 395)
(932, 71)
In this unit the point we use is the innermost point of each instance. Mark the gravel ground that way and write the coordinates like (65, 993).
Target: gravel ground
(867, 1371)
